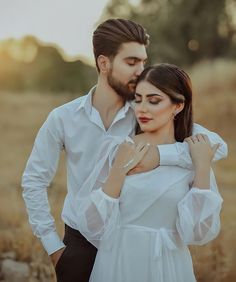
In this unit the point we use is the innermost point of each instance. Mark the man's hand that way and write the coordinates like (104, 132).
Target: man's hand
(56, 256)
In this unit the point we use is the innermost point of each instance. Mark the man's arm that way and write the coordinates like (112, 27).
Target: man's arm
(178, 154)
(38, 174)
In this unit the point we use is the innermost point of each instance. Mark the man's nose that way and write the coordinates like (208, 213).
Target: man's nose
(140, 69)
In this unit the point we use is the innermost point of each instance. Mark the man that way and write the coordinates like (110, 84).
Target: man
(78, 127)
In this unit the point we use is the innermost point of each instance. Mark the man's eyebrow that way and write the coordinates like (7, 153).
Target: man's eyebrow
(135, 58)
(148, 95)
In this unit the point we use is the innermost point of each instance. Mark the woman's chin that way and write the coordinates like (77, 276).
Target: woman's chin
(145, 128)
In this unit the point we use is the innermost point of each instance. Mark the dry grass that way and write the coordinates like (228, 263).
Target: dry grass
(20, 118)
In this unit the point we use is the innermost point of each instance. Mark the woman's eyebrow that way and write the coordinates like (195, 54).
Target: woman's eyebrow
(148, 95)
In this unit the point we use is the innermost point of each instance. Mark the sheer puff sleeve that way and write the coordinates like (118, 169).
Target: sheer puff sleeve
(198, 219)
(97, 213)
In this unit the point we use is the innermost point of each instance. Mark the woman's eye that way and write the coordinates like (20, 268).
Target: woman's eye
(154, 102)
(137, 101)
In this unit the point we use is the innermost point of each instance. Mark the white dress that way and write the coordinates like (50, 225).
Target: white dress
(143, 235)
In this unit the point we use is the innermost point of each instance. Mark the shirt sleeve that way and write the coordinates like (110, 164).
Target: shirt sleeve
(98, 215)
(39, 172)
(178, 153)
(198, 219)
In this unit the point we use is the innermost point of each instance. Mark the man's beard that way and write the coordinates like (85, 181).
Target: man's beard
(126, 91)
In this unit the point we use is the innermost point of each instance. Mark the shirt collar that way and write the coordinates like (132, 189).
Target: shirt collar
(86, 103)
(126, 107)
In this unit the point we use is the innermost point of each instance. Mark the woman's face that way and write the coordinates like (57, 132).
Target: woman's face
(153, 108)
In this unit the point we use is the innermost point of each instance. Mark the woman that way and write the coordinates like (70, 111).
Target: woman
(142, 223)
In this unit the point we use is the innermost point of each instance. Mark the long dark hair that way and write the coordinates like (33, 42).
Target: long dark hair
(175, 83)
(109, 35)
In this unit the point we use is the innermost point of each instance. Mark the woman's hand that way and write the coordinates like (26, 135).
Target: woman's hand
(200, 150)
(129, 155)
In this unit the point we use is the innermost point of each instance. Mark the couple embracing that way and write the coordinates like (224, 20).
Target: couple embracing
(139, 178)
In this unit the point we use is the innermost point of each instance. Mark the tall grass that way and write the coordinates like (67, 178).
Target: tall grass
(21, 115)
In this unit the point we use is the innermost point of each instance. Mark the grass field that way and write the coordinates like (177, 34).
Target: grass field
(21, 115)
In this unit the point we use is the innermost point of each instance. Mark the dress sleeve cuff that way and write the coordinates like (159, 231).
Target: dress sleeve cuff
(168, 154)
(107, 197)
(52, 243)
(207, 192)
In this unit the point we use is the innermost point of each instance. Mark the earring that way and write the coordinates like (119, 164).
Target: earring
(173, 116)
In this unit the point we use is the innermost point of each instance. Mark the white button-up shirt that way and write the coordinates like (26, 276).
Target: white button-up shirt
(77, 128)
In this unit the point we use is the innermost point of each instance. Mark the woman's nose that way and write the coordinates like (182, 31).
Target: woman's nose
(142, 107)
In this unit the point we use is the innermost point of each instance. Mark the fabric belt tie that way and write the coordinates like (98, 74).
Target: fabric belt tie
(163, 240)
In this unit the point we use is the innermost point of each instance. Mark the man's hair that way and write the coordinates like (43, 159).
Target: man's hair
(109, 35)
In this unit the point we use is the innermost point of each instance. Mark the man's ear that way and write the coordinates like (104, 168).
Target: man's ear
(103, 64)
(178, 108)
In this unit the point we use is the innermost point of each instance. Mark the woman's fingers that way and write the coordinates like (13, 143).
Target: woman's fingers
(197, 138)
(200, 138)
(140, 146)
(144, 150)
(189, 140)
(203, 138)
(140, 150)
(215, 148)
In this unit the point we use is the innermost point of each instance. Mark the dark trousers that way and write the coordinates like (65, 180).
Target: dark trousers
(76, 262)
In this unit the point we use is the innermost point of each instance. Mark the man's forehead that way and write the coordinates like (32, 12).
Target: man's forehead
(132, 50)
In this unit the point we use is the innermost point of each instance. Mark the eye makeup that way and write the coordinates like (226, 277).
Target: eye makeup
(151, 98)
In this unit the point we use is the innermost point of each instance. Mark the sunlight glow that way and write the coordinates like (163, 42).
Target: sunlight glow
(67, 23)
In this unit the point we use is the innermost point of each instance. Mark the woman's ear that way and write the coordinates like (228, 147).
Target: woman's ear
(178, 108)
(103, 64)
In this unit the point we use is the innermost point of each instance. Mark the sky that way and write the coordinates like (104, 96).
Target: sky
(68, 23)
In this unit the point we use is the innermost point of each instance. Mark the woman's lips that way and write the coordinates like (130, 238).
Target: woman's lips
(144, 120)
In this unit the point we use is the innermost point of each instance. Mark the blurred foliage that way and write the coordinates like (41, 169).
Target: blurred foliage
(26, 65)
(182, 32)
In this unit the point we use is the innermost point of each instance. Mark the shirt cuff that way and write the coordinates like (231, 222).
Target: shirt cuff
(52, 243)
(168, 154)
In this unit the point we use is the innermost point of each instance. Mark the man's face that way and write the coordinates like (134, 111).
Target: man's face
(125, 68)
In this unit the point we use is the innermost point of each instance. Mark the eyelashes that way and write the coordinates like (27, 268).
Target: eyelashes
(151, 102)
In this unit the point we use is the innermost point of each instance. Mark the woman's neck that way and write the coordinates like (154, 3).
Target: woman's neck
(165, 135)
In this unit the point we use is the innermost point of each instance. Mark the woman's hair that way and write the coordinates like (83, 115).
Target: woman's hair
(109, 36)
(175, 83)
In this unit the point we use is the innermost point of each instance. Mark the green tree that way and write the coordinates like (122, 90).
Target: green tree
(181, 31)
